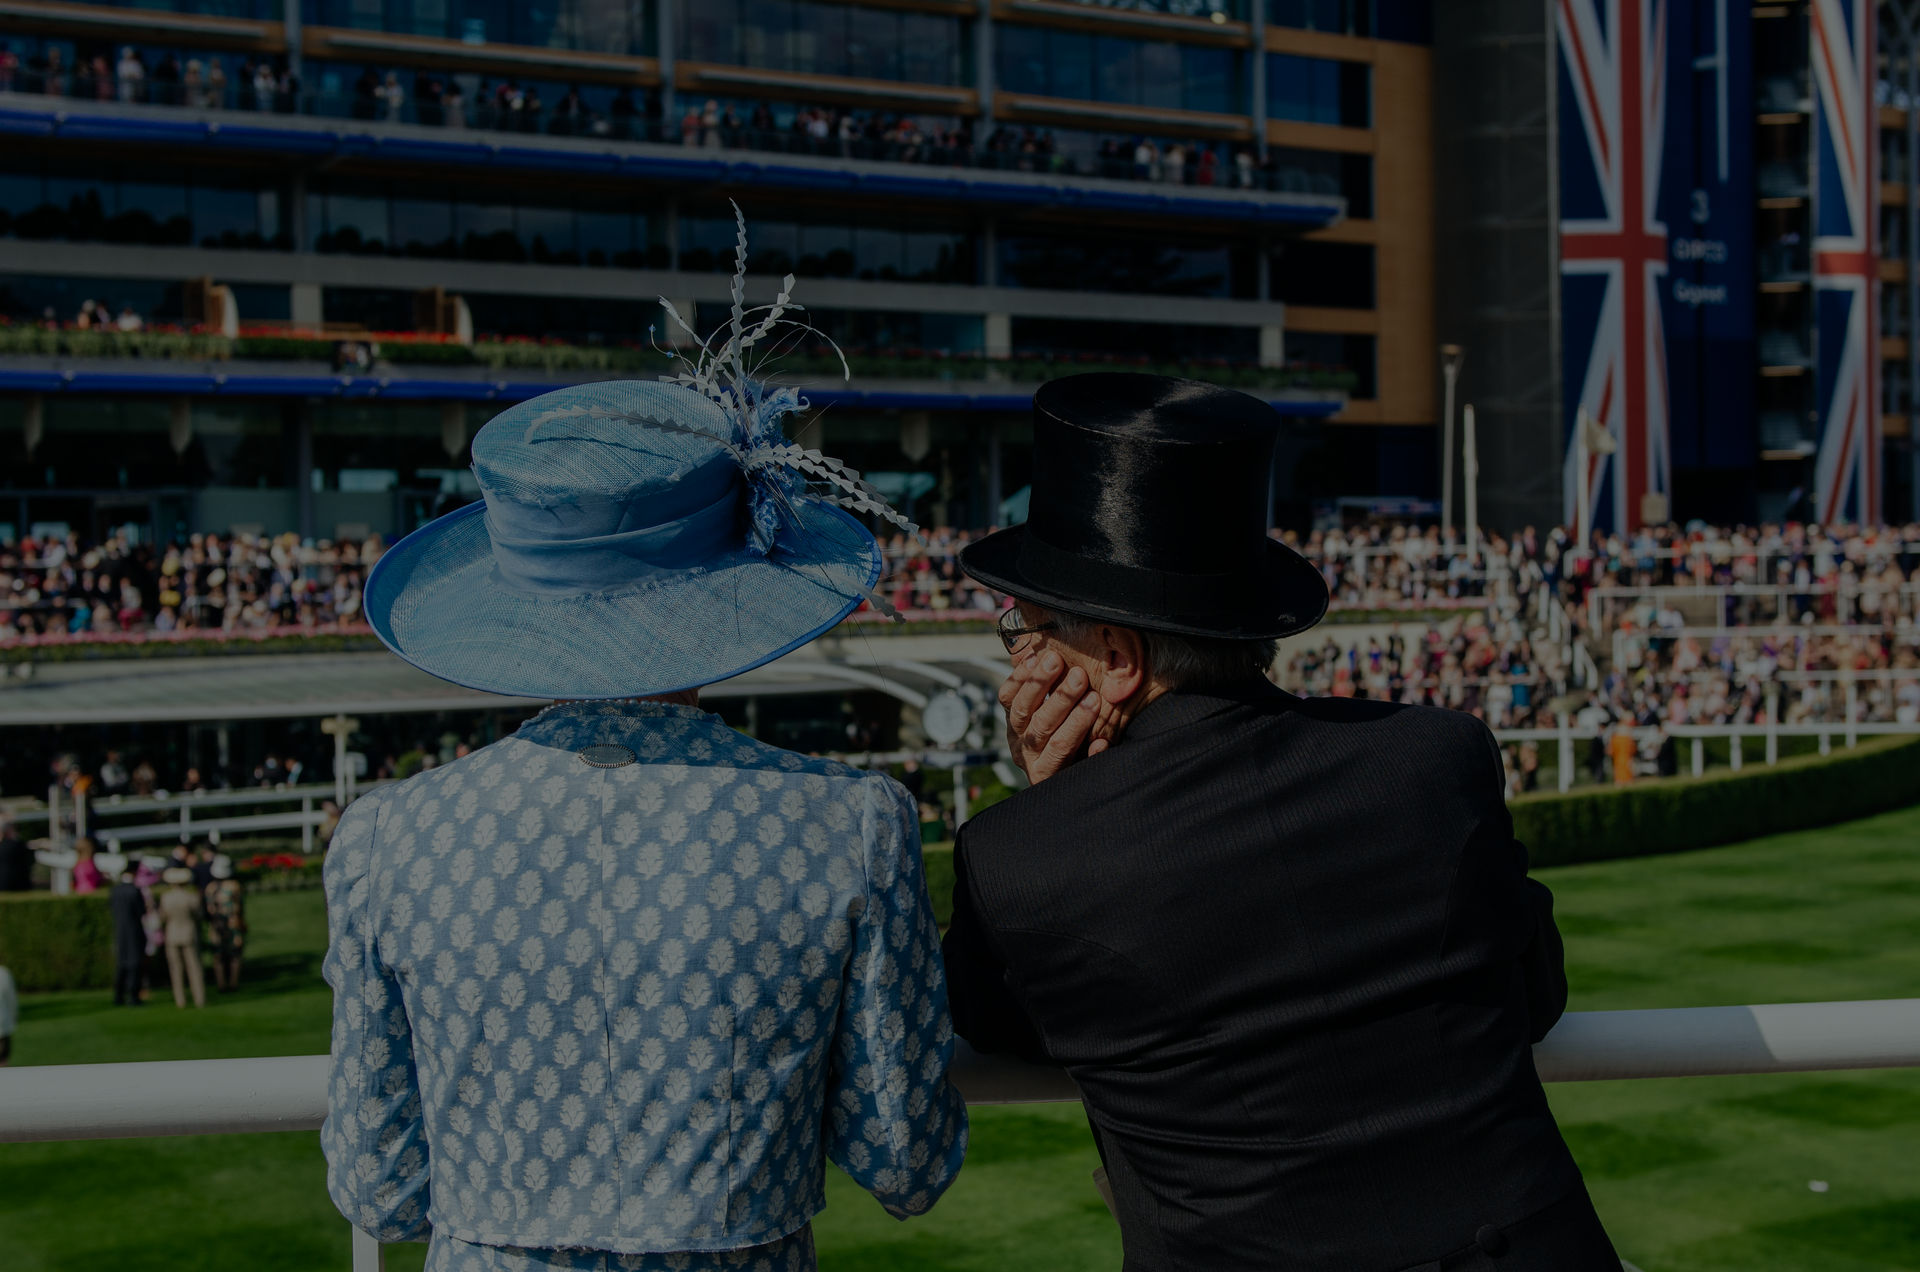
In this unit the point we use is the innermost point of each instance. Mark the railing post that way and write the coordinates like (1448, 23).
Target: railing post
(306, 826)
(1826, 743)
(1773, 724)
(368, 1254)
(1853, 696)
(1566, 755)
(1699, 756)
(1733, 750)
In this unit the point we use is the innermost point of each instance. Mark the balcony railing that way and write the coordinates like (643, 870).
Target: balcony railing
(289, 1093)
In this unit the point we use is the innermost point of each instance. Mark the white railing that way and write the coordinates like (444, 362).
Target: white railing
(289, 1093)
(1736, 734)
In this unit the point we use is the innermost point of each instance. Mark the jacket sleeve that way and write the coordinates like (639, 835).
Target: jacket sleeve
(895, 1124)
(985, 1011)
(374, 1138)
(1543, 961)
(1544, 965)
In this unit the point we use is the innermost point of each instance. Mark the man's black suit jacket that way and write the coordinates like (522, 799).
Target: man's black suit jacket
(1288, 949)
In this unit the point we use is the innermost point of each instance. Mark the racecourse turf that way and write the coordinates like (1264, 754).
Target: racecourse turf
(1691, 1175)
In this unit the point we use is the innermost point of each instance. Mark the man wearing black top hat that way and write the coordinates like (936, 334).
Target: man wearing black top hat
(1287, 947)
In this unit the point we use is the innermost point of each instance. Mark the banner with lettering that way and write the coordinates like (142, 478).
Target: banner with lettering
(1656, 246)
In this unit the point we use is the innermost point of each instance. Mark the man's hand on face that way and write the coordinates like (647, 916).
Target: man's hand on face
(1050, 715)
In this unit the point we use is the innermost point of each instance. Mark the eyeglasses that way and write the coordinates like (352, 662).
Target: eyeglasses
(1014, 636)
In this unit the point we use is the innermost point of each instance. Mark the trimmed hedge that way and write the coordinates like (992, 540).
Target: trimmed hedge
(51, 942)
(1679, 813)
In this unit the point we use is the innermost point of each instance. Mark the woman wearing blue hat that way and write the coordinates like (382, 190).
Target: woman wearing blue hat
(610, 991)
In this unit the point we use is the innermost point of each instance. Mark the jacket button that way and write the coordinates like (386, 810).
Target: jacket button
(1492, 1241)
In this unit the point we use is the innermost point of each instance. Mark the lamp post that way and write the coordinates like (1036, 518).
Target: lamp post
(1451, 356)
(1470, 467)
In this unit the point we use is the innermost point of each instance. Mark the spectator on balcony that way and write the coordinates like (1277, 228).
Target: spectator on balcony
(16, 859)
(216, 94)
(132, 75)
(166, 80)
(393, 98)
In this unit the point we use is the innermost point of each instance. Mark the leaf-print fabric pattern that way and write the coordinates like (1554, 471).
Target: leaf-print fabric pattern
(631, 1010)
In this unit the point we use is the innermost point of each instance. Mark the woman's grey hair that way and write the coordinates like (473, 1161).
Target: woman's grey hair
(1185, 662)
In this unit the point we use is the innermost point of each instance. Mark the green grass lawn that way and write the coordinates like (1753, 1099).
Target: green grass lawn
(1691, 1175)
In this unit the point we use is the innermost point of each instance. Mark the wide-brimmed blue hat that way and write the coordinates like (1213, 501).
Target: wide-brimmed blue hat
(635, 539)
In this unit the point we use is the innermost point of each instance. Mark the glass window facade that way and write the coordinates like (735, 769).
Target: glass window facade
(827, 39)
(876, 249)
(1067, 261)
(1300, 171)
(599, 26)
(403, 219)
(161, 207)
(1317, 90)
(1331, 351)
(1340, 17)
(1100, 68)
(1333, 275)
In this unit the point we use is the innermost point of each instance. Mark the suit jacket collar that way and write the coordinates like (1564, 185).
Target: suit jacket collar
(1181, 709)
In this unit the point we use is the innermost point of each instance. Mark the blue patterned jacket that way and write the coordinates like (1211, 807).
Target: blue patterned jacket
(631, 1008)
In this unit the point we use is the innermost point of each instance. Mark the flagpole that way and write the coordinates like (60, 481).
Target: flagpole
(1471, 469)
(1451, 356)
(1582, 495)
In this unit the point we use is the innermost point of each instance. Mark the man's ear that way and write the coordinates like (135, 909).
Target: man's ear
(1123, 657)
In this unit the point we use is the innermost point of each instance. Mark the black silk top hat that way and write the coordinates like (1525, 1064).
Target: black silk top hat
(1149, 508)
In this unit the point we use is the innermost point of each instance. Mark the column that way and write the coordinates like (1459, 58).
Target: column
(291, 12)
(999, 330)
(300, 418)
(983, 73)
(993, 473)
(1257, 78)
(663, 38)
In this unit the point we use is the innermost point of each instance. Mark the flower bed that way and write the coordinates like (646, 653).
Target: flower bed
(278, 871)
(84, 646)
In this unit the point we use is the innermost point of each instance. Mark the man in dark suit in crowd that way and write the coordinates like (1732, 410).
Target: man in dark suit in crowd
(16, 860)
(1287, 947)
(128, 905)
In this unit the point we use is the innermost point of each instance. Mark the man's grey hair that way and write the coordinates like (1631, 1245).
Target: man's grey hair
(1184, 662)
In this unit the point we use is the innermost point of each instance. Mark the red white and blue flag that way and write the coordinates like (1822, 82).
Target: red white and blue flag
(1613, 249)
(1845, 274)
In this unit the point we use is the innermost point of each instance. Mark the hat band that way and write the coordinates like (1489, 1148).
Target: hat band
(559, 568)
(1130, 587)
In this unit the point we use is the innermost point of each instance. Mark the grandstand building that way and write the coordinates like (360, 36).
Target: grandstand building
(267, 266)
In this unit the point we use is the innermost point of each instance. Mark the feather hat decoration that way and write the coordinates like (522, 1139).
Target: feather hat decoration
(729, 370)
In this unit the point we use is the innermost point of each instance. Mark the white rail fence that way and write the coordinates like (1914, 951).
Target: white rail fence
(1736, 734)
(289, 1093)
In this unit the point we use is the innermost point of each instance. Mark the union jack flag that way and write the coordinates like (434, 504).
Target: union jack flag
(1845, 273)
(1613, 248)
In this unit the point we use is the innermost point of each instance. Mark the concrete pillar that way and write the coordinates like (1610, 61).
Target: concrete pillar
(1273, 345)
(301, 418)
(983, 77)
(663, 37)
(999, 329)
(308, 309)
(291, 15)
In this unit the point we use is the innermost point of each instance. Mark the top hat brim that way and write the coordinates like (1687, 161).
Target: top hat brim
(1283, 596)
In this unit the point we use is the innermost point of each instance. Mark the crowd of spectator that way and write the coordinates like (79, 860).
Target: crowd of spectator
(256, 82)
(57, 586)
(925, 578)
(1789, 624)
(506, 104)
